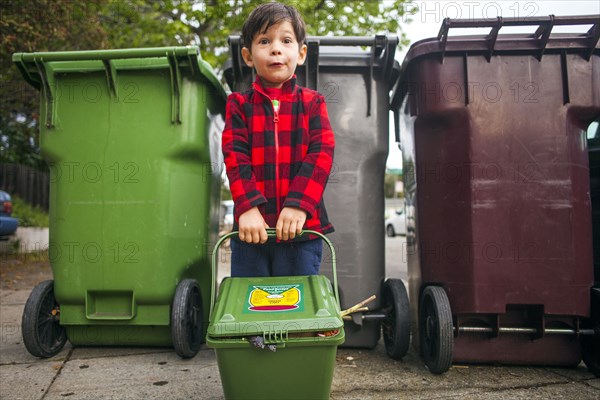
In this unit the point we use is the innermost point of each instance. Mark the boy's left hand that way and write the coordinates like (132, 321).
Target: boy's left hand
(291, 221)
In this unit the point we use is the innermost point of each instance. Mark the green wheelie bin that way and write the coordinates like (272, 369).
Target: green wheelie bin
(132, 140)
(295, 319)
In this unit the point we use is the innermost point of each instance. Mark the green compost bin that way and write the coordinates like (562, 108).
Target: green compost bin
(132, 139)
(299, 315)
(302, 365)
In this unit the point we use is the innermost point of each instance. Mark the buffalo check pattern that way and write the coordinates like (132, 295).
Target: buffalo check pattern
(279, 159)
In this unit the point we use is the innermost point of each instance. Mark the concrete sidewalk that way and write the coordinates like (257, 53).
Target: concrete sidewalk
(151, 373)
(134, 373)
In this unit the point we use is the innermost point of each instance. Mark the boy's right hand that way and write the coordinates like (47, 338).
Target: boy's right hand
(252, 227)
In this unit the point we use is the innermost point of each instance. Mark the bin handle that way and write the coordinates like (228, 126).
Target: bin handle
(272, 233)
(541, 35)
(90, 55)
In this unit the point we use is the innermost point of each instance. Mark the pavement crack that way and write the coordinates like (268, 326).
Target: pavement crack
(587, 383)
(573, 378)
(534, 386)
(66, 360)
(476, 389)
(481, 389)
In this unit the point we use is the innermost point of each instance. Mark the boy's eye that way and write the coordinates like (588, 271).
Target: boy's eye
(263, 41)
(288, 41)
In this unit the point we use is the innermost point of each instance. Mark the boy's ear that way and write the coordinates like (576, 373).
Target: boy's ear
(247, 56)
(302, 55)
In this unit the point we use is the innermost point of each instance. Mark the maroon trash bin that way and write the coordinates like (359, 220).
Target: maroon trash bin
(497, 181)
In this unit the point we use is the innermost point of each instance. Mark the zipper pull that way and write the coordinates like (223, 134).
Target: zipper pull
(276, 110)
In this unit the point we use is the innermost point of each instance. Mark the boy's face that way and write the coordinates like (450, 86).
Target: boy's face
(275, 54)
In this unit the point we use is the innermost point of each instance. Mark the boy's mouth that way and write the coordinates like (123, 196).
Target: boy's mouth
(276, 64)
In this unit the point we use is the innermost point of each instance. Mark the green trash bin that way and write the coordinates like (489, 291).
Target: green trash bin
(299, 315)
(132, 139)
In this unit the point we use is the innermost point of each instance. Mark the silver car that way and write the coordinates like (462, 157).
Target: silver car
(396, 224)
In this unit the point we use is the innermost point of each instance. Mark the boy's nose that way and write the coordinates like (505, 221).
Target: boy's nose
(275, 49)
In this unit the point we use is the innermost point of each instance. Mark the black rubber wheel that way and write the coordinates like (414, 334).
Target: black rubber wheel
(42, 333)
(590, 351)
(187, 319)
(590, 345)
(390, 231)
(435, 329)
(396, 324)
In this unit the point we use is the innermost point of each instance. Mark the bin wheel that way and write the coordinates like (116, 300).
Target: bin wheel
(42, 333)
(435, 329)
(590, 351)
(390, 231)
(396, 324)
(590, 345)
(187, 319)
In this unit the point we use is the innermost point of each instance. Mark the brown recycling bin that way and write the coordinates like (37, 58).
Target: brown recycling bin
(497, 180)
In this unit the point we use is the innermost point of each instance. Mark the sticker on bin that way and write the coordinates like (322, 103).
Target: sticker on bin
(274, 298)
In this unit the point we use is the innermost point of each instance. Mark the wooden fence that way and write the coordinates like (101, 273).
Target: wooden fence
(27, 183)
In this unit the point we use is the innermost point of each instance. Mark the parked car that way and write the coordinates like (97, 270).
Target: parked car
(396, 224)
(8, 224)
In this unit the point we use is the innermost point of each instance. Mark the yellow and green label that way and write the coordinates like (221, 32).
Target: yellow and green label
(273, 298)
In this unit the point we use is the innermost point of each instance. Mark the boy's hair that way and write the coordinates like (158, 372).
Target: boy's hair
(268, 14)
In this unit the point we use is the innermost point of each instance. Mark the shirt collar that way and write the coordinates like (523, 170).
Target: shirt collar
(288, 87)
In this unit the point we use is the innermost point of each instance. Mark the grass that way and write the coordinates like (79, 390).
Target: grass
(29, 215)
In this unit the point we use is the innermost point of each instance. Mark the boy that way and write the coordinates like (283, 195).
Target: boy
(278, 148)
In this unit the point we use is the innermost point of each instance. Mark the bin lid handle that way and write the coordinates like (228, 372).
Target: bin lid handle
(112, 54)
(541, 35)
(270, 232)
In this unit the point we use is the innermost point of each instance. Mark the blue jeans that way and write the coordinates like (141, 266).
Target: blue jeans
(276, 259)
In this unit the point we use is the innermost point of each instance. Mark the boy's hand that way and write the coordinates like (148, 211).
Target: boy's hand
(290, 222)
(252, 227)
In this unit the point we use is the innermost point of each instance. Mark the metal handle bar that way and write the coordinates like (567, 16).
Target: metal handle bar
(270, 232)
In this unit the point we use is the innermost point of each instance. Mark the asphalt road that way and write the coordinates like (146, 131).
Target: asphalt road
(158, 373)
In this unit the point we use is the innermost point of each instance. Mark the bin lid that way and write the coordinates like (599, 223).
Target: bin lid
(543, 41)
(331, 53)
(33, 66)
(280, 305)
(42, 69)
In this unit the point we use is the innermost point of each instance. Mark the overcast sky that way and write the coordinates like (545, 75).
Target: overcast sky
(426, 23)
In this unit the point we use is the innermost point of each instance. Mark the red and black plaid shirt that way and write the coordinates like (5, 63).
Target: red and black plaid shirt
(279, 159)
